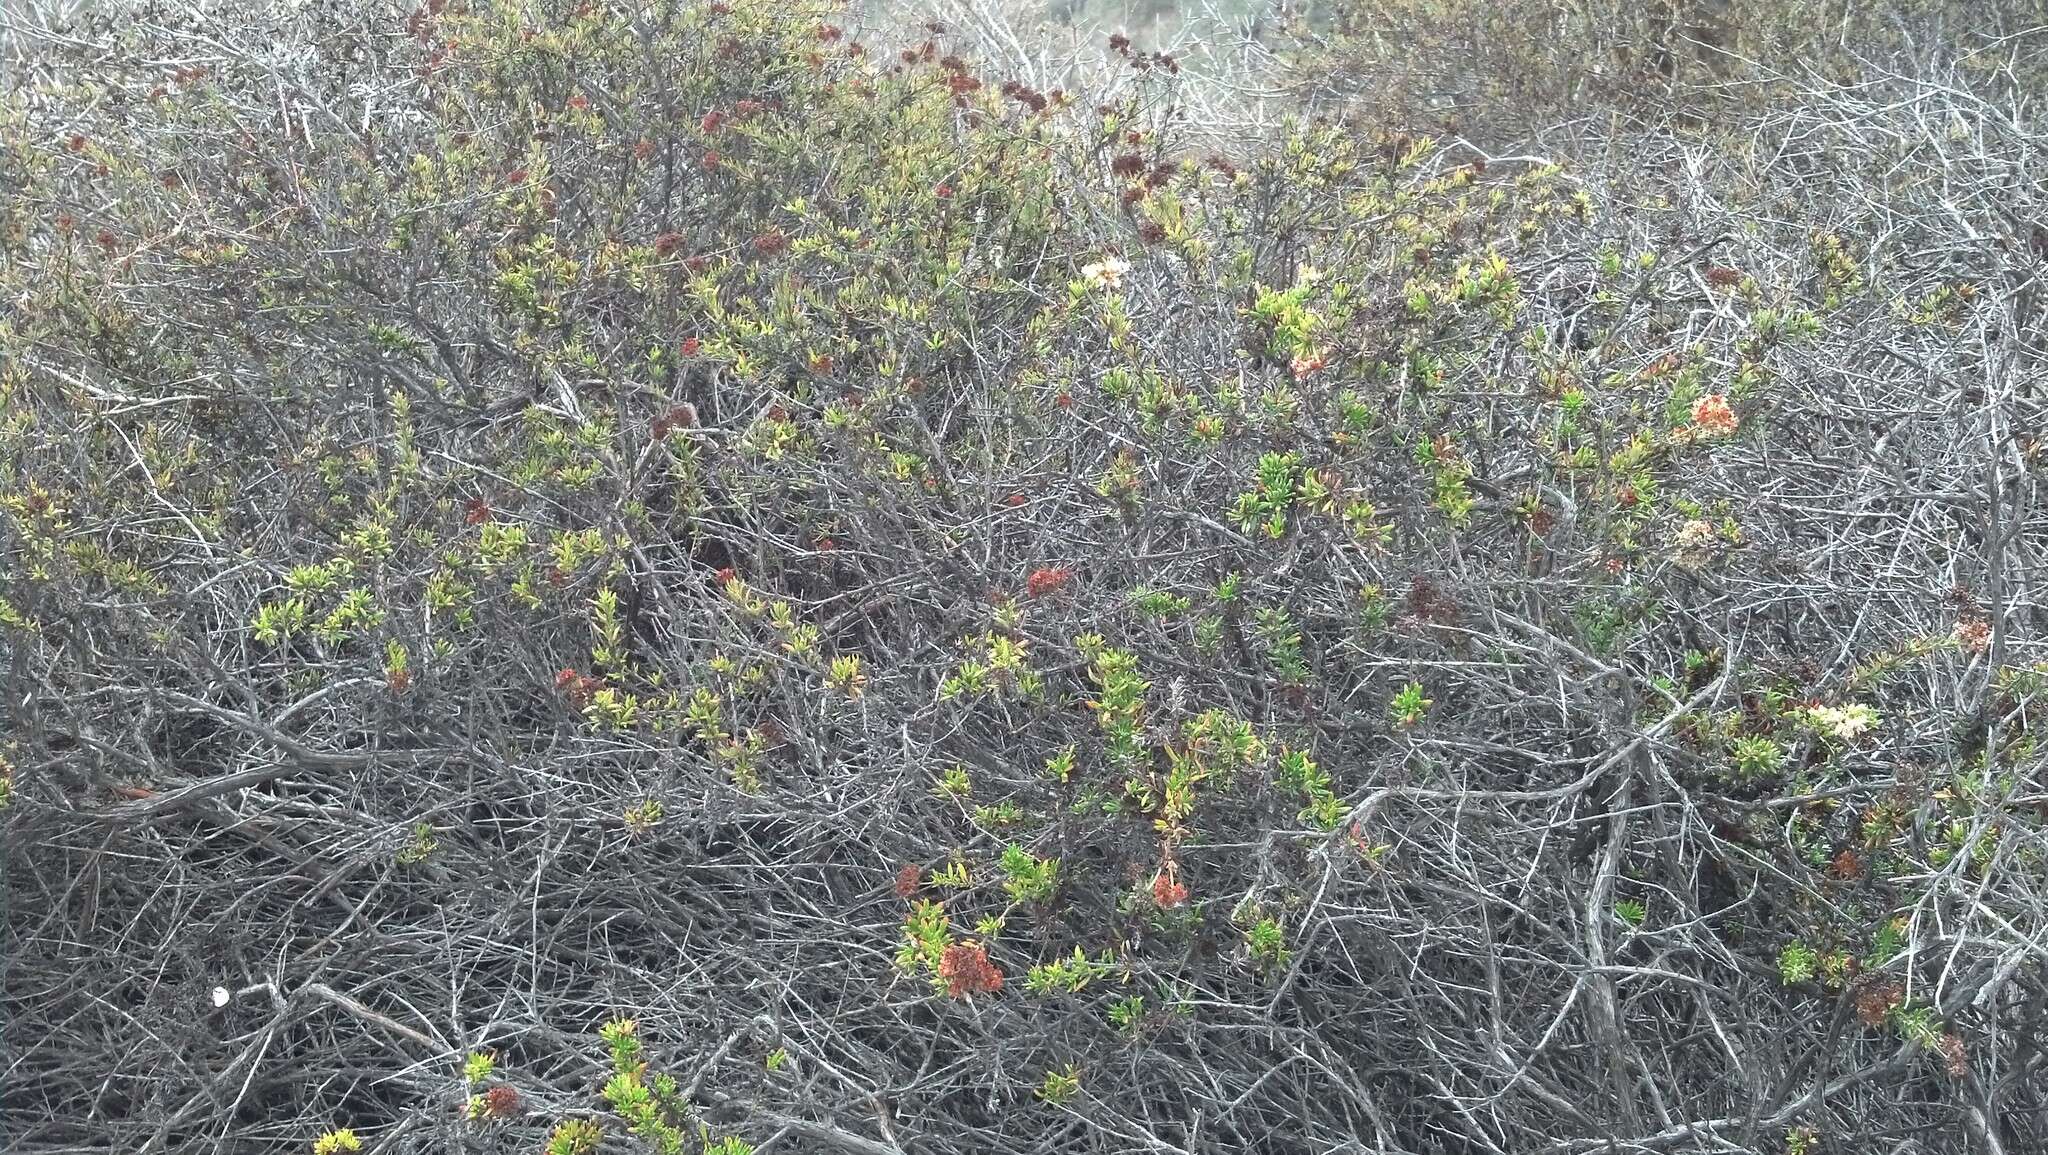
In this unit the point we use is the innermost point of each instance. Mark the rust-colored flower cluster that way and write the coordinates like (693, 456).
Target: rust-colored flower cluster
(499, 1103)
(1876, 1000)
(907, 880)
(1973, 634)
(967, 971)
(1047, 580)
(1953, 1056)
(1167, 891)
(1712, 415)
(1847, 866)
(683, 416)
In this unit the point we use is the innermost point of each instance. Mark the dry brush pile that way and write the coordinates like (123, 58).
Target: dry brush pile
(594, 577)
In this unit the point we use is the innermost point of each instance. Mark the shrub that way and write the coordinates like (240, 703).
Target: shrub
(512, 519)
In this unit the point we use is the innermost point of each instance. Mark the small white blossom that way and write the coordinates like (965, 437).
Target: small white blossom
(221, 996)
(1107, 273)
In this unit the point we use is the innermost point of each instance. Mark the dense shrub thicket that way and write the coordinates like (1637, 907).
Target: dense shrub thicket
(662, 577)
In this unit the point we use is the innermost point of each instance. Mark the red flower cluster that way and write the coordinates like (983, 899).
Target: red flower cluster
(690, 346)
(958, 82)
(967, 971)
(1029, 97)
(476, 511)
(1047, 580)
(711, 122)
(667, 243)
(770, 243)
(643, 148)
(578, 687)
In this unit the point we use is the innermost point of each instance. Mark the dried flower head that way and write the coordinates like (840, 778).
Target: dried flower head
(1696, 541)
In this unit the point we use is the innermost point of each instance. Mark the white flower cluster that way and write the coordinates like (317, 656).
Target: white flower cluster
(1107, 273)
(1844, 722)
